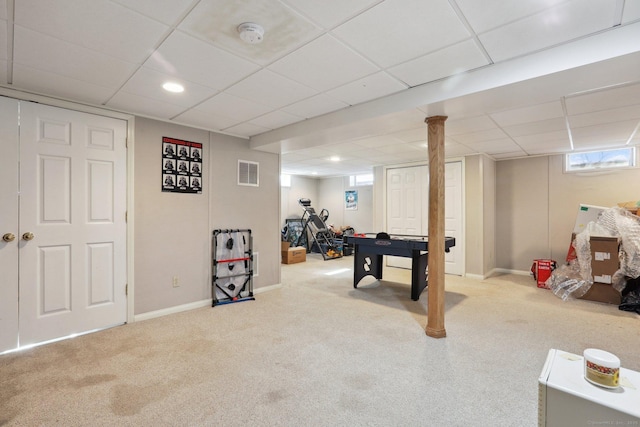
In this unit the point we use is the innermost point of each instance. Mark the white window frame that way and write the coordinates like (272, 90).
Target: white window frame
(568, 168)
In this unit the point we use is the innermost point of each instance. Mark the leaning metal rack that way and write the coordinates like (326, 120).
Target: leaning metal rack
(326, 241)
(232, 271)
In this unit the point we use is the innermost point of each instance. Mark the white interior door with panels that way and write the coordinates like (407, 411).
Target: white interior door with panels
(407, 209)
(71, 239)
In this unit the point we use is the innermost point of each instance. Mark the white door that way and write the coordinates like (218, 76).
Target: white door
(405, 216)
(404, 206)
(8, 224)
(73, 202)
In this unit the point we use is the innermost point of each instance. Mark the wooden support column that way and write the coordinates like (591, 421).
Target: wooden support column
(435, 305)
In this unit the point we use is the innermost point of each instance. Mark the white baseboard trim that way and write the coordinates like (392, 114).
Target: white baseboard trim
(172, 310)
(267, 288)
(475, 276)
(508, 271)
(192, 305)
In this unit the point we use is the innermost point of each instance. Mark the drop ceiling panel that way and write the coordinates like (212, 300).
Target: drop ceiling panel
(604, 99)
(148, 83)
(605, 134)
(234, 107)
(165, 11)
(328, 13)
(245, 129)
(396, 31)
(274, 120)
(445, 62)
(40, 81)
(367, 88)
(271, 89)
(205, 120)
(216, 21)
(488, 14)
(314, 106)
(413, 135)
(535, 128)
(505, 145)
(514, 154)
(200, 62)
(528, 114)
(323, 64)
(608, 116)
(53, 55)
(480, 136)
(550, 27)
(467, 125)
(453, 149)
(101, 26)
(527, 140)
(144, 106)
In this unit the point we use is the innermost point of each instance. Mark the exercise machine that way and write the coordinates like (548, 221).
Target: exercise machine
(329, 246)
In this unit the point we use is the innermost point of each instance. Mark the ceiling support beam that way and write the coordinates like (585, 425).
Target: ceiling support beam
(435, 303)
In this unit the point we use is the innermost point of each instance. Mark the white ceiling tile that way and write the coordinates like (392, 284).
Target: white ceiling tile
(418, 134)
(343, 148)
(144, 106)
(467, 125)
(533, 128)
(511, 155)
(398, 148)
(234, 107)
(631, 11)
(607, 116)
(367, 88)
(200, 62)
(480, 136)
(275, 120)
(547, 146)
(396, 31)
(316, 64)
(245, 129)
(542, 137)
(605, 133)
(328, 13)
(53, 55)
(101, 26)
(315, 106)
(603, 99)
(528, 114)
(488, 14)
(39, 81)
(271, 89)
(376, 141)
(445, 62)
(165, 11)
(216, 21)
(148, 83)
(453, 149)
(505, 145)
(567, 21)
(205, 120)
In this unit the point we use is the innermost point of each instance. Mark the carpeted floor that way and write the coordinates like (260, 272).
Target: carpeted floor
(317, 352)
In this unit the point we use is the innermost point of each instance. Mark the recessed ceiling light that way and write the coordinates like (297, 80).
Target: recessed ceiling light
(173, 87)
(334, 158)
(251, 33)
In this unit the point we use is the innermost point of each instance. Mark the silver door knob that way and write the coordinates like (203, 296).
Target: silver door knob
(9, 237)
(28, 236)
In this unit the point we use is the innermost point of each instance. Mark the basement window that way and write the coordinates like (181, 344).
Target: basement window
(285, 180)
(363, 179)
(599, 160)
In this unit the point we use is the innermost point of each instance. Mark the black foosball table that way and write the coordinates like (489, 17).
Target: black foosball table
(368, 252)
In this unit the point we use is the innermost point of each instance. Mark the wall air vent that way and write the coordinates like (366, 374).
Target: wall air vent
(248, 173)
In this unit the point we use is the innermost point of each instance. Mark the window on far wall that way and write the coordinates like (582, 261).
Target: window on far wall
(598, 160)
(285, 180)
(363, 179)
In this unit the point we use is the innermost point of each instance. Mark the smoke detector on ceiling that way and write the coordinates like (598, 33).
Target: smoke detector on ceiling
(251, 33)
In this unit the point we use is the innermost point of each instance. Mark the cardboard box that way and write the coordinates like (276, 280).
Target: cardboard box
(604, 258)
(284, 246)
(633, 206)
(601, 292)
(586, 214)
(294, 255)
